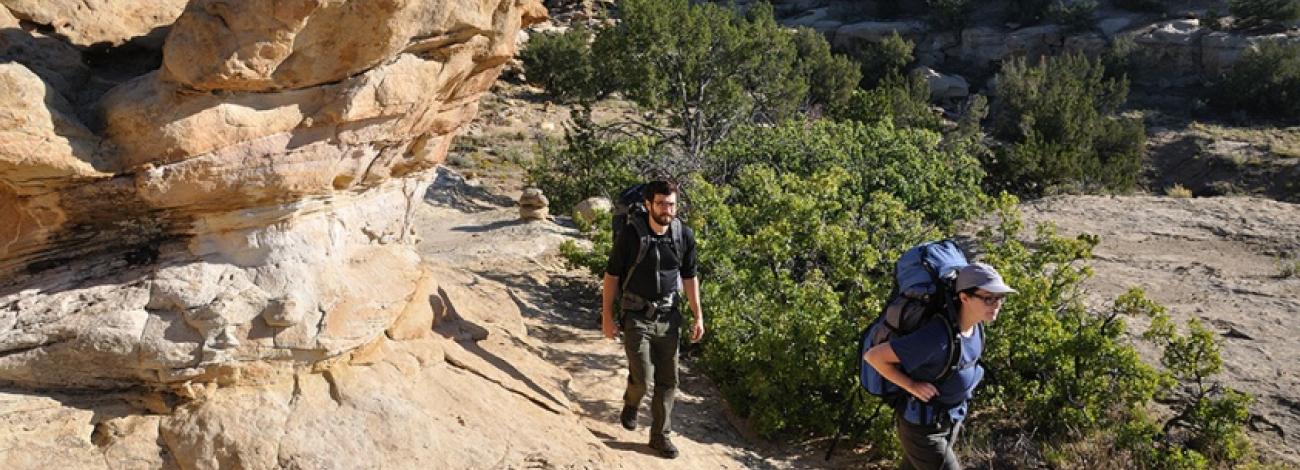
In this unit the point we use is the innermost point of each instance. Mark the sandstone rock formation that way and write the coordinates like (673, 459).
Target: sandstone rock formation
(99, 22)
(218, 250)
(533, 205)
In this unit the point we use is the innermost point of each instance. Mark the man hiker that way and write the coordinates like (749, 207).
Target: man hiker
(644, 274)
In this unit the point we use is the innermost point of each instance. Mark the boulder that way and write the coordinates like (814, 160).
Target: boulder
(588, 208)
(43, 146)
(87, 23)
(854, 35)
(944, 87)
(533, 205)
(1172, 48)
(983, 45)
(260, 45)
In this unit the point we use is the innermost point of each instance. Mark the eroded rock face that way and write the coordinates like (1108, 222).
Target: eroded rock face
(99, 22)
(227, 243)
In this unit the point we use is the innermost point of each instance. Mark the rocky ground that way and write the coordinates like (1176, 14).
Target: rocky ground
(467, 226)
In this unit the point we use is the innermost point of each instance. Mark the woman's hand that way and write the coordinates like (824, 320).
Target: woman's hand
(923, 391)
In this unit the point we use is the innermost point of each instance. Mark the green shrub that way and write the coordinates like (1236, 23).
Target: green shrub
(1063, 372)
(1059, 121)
(1059, 368)
(700, 70)
(908, 164)
(1265, 82)
(902, 100)
(595, 258)
(562, 64)
(1255, 13)
(949, 14)
(1213, 416)
(1076, 15)
(832, 78)
(1027, 12)
(587, 165)
(801, 241)
(889, 57)
(1121, 58)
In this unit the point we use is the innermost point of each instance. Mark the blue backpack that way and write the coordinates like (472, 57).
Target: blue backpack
(924, 287)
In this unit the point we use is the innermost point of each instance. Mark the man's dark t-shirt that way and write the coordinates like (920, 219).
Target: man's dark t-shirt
(643, 280)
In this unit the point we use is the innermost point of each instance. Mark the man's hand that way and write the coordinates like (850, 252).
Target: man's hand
(697, 330)
(923, 391)
(607, 325)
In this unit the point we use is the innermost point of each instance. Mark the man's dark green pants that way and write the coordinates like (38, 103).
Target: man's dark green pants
(650, 340)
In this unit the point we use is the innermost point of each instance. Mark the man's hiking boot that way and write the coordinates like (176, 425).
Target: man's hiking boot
(628, 418)
(664, 446)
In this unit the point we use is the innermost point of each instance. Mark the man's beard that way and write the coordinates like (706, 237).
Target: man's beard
(662, 219)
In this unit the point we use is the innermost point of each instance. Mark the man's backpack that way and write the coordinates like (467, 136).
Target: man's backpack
(924, 287)
(630, 204)
(630, 212)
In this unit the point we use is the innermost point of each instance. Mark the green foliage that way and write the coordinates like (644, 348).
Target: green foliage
(795, 263)
(908, 164)
(902, 100)
(1076, 15)
(562, 64)
(1212, 416)
(697, 65)
(1059, 120)
(595, 258)
(1059, 368)
(1027, 12)
(1121, 58)
(889, 57)
(832, 78)
(588, 165)
(1255, 13)
(801, 223)
(1265, 81)
(949, 14)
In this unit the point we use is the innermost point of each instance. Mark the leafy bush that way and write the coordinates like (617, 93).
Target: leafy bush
(949, 14)
(1265, 81)
(832, 78)
(1210, 417)
(1058, 368)
(905, 101)
(1027, 12)
(1077, 15)
(889, 57)
(1064, 372)
(701, 70)
(801, 238)
(1059, 120)
(588, 165)
(1255, 13)
(562, 64)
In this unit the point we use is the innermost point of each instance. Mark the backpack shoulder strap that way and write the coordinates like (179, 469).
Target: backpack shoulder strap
(642, 228)
(677, 231)
(954, 349)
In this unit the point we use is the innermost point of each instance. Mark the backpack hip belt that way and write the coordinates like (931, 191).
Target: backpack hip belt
(631, 302)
